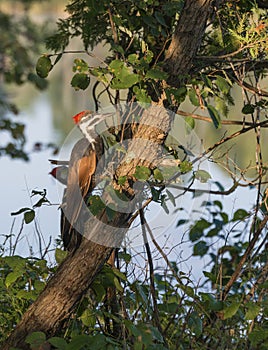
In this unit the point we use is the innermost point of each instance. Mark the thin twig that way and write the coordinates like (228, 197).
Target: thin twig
(241, 263)
(151, 272)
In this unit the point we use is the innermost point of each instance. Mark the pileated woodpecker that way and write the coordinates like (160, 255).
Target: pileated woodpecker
(82, 166)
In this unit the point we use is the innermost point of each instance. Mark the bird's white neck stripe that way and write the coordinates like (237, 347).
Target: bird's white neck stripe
(88, 127)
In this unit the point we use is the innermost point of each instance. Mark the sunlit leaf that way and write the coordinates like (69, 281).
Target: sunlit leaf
(142, 173)
(88, 318)
(231, 310)
(142, 95)
(222, 84)
(43, 66)
(80, 81)
(193, 98)
(60, 255)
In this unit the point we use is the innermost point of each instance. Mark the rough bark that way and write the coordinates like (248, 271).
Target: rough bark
(187, 38)
(76, 273)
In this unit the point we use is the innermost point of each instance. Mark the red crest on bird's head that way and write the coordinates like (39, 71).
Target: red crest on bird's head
(77, 118)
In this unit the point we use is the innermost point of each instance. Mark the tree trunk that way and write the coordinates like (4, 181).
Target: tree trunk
(187, 38)
(76, 273)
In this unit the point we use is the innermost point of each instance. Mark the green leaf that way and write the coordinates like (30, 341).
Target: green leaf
(164, 204)
(178, 94)
(142, 173)
(214, 115)
(253, 310)
(116, 66)
(22, 210)
(142, 95)
(258, 336)
(158, 15)
(58, 343)
(193, 98)
(133, 58)
(222, 84)
(158, 175)
(80, 81)
(207, 81)
(88, 318)
(118, 285)
(12, 277)
(231, 310)
(197, 230)
(202, 175)
(210, 276)
(119, 274)
(43, 66)
(218, 204)
(96, 204)
(200, 248)
(140, 293)
(185, 166)
(26, 295)
(123, 78)
(80, 66)
(60, 255)
(168, 171)
(190, 123)
(248, 109)
(16, 262)
(36, 339)
(171, 197)
(195, 323)
(213, 232)
(29, 216)
(148, 56)
(181, 222)
(240, 214)
(225, 217)
(124, 81)
(124, 256)
(155, 194)
(78, 342)
(156, 74)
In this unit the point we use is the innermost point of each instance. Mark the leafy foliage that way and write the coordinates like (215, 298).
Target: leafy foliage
(21, 281)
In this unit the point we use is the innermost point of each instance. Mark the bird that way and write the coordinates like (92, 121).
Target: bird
(82, 166)
(80, 180)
